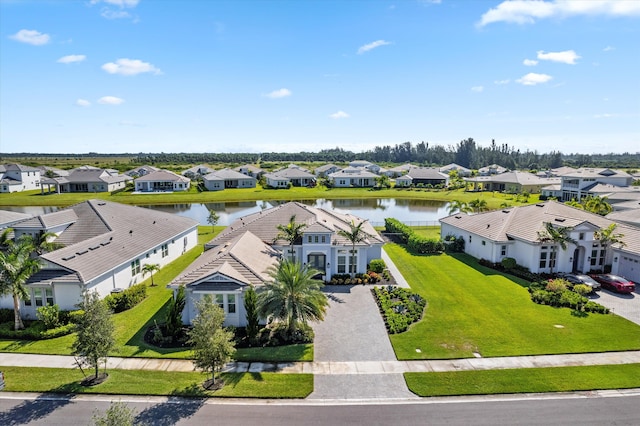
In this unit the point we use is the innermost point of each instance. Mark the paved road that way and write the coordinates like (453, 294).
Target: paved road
(588, 408)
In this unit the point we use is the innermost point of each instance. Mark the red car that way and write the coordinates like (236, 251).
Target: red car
(615, 283)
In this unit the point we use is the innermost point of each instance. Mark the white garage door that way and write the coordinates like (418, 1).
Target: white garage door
(629, 267)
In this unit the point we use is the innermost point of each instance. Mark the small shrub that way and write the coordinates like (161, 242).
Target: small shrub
(129, 298)
(509, 263)
(558, 285)
(6, 315)
(49, 315)
(377, 265)
(399, 307)
(582, 289)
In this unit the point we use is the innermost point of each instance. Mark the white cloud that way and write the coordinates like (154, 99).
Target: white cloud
(280, 93)
(501, 82)
(608, 49)
(69, 59)
(532, 79)
(566, 57)
(530, 62)
(114, 14)
(477, 89)
(529, 11)
(110, 100)
(120, 3)
(83, 103)
(338, 115)
(371, 46)
(126, 66)
(33, 37)
(603, 115)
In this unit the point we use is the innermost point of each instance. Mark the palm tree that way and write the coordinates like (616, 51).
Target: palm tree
(293, 297)
(44, 243)
(355, 235)
(459, 206)
(290, 232)
(559, 236)
(607, 236)
(597, 205)
(478, 205)
(150, 268)
(17, 265)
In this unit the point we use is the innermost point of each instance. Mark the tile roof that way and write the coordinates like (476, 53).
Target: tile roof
(49, 220)
(7, 218)
(353, 172)
(244, 258)
(264, 224)
(292, 173)
(426, 173)
(162, 175)
(107, 235)
(226, 174)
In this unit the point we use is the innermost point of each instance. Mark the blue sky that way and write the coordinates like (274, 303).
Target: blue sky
(114, 76)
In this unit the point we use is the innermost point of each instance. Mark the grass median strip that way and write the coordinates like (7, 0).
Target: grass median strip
(526, 380)
(138, 382)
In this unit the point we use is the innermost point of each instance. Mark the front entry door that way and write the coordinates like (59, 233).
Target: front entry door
(317, 261)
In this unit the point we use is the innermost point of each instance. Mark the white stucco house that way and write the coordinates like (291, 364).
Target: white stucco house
(241, 255)
(105, 246)
(227, 178)
(578, 183)
(513, 232)
(162, 181)
(353, 177)
(16, 177)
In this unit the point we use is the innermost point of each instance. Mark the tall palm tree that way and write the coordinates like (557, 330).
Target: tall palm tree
(150, 268)
(608, 236)
(290, 232)
(559, 236)
(17, 265)
(44, 243)
(293, 297)
(597, 205)
(478, 205)
(355, 235)
(459, 206)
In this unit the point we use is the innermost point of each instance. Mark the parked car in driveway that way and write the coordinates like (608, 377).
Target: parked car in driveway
(582, 279)
(615, 282)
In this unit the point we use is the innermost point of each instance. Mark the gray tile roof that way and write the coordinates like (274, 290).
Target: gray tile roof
(49, 220)
(162, 176)
(353, 172)
(109, 234)
(20, 167)
(264, 224)
(93, 175)
(226, 174)
(50, 276)
(590, 172)
(8, 218)
(426, 173)
(292, 173)
(244, 258)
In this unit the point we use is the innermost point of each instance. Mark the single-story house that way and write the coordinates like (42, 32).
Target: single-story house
(197, 171)
(493, 169)
(514, 182)
(105, 246)
(16, 178)
(422, 176)
(374, 168)
(86, 179)
(225, 273)
(353, 177)
(162, 181)
(462, 171)
(514, 232)
(398, 170)
(549, 191)
(291, 175)
(326, 170)
(141, 171)
(250, 170)
(227, 178)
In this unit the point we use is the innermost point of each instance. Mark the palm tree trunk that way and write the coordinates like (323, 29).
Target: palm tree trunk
(18, 324)
(353, 261)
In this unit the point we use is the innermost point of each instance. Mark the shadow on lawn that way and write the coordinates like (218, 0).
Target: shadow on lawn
(472, 262)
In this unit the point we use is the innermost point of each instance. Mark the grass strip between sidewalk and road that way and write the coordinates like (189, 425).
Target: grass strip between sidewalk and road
(525, 380)
(138, 382)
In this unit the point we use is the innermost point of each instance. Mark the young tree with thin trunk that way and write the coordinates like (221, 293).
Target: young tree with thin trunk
(213, 345)
(17, 265)
(291, 232)
(150, 268)
(251, 308)
(557, 236)
(213, 219)
(355, 235)
(94, 332)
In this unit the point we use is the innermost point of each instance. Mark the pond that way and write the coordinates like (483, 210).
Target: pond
(410, 211)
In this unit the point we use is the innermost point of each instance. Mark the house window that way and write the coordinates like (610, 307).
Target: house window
(165, 250)
(315, 239)
(581, 236)
(135, 267)
(503, 251)
(324, 238)
(231, 303)
(43, 296)
(185, 242)
(220, 300)
(352, 261)
(484, 243)
(342, 262)
(543, 259)
(469, 238)
(309, 239)
(552, 259)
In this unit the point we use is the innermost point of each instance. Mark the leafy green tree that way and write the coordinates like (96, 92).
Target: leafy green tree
(558, 237)
(17, 265)
(150, 268)
(173, 320)
(213, 345)
(94, 331)
(355, 235)
(213, 219)
(478, 205)
(291, 232)
(118, 414)
(293, 296)
(251, 309)
(383, 181)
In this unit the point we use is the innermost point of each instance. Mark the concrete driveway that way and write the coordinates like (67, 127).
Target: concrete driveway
(353, 330)
(625, 305)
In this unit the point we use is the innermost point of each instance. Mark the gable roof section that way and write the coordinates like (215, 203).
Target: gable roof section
(107, 235)
(162, 175)
(292, 173)
(8, 218)
(264, 224)
(245, 259)
(227, 174)
(49, 220)
(426, 173)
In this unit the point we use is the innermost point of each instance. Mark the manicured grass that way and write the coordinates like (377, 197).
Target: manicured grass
(34, 198)
(432, 232)
(475, 309)
(288, 353)
(138, 382)
(556, 379)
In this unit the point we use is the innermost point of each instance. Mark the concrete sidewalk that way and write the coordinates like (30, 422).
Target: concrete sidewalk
(340, 368)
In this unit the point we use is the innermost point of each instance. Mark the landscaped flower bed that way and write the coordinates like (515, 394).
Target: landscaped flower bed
(399, 307)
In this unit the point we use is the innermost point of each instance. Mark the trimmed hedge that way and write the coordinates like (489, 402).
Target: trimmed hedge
(118, 302)
(564, 298)
(34, 331)
(415, 243)
(399, 307)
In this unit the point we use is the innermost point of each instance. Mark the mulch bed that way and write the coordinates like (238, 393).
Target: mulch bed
(93, 380)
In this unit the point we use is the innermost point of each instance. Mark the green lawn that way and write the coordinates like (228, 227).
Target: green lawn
(138, 382)
(556, 379)
(476, 309)
(34, 198)
(432, 232)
